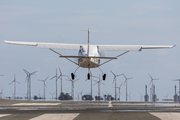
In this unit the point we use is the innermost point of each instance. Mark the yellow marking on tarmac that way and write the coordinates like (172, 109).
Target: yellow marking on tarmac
(166, 115)
(3, 115)
(60, 116)
(38, 104)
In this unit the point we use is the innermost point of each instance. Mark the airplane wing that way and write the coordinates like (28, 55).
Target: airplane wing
(47, 45)
(100, 47)
(131, 47)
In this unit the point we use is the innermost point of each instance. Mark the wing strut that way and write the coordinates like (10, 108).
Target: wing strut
(116, 57)
(64, 57)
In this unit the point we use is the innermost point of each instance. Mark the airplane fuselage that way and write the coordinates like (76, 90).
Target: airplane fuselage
(88, 62)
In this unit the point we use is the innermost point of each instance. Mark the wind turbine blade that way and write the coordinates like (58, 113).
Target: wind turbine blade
(11, 82)
(114, 79)
(46, 78)
(33, 72)
(150, 76)
(177, 80)
(124, 76)
(119, 75)
(95, 83)
(18, 82)
(120, 85)
(102, 83)
(76, 80)
(60, 71)
(130, 78)
(52, 77)
(112, 73)
(26, 71)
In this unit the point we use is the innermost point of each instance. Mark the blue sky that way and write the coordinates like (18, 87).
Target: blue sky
(115, 22)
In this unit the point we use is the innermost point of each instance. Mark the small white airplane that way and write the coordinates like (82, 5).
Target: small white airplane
(88, 55)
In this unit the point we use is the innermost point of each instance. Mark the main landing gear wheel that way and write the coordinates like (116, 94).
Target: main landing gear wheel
(88, 76)
(72, 76)
(104, 76)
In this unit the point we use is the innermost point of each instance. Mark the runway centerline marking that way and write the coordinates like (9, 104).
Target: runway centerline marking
(60, 116)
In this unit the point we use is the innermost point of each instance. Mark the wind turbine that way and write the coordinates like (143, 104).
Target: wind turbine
(114, 80)
(60, 77)
(141, 97)
(44, 81)
(99, 82)
(14, 81)
(56, 82)
(129, 96)
(52, 95)
(119, 90)
(179, 84)
(152, 87)
(126, 79)
(72, 86)
(28, 79)
(91, 82)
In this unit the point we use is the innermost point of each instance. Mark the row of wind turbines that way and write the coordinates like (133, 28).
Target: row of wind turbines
(56, 77)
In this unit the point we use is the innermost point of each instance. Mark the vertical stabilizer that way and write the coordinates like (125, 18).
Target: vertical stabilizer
(88, 41)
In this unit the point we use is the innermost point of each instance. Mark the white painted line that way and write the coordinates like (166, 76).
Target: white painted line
(3, 115)
(60, 116)
(167, 115)
(110, 105)
(40, 104)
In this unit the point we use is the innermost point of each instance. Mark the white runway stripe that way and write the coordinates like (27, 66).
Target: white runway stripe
(3, 115)
(40, 104)
(60, 116)
(167, 115)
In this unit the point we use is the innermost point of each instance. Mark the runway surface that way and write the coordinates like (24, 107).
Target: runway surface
(89, 110)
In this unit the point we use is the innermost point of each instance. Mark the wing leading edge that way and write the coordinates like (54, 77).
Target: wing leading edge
(100, 47)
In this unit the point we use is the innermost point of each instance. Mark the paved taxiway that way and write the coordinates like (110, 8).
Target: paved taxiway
(89, 110)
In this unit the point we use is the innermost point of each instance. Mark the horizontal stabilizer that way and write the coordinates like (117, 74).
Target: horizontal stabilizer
(88, 57)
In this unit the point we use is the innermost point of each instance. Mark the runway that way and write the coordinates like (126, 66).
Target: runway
(89, 110)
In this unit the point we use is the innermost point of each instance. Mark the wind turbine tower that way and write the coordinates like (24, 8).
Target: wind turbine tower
(28, 79)
(60, 77)
(152, 89)
(99, 82)
(114, 81)
(44, 81)
(119, 90)
(56, 82)
(14, 86)
(126, 79)
(72, 86)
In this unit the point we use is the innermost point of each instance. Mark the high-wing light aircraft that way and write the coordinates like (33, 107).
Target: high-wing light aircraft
(88, 55)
